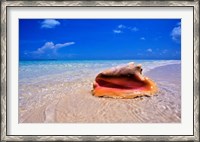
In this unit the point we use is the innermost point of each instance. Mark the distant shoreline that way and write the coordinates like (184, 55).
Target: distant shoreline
(161, 72)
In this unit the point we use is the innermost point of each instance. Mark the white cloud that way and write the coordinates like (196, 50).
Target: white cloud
(134, 29)
(121, 28)
(142, 38)
(176, 33)
(117, 31)
(149, 50)
(179, 23)
(50, 47)
(50, 23)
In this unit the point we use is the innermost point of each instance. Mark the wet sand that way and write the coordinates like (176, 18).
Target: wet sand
(72, 102)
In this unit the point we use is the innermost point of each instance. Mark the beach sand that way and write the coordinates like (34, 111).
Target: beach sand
(72, 102)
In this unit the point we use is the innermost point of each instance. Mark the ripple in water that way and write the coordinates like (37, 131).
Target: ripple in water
(60, 91)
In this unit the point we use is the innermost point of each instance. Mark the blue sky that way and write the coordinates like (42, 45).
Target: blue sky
(99, 39)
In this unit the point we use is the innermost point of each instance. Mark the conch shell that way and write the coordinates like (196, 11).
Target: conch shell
(124, 81)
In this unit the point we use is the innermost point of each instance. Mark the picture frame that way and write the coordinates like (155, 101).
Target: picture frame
(4, 72)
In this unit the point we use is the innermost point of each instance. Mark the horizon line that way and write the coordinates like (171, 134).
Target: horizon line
(89, 59)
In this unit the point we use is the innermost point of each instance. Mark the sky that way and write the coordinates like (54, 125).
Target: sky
(103, 39)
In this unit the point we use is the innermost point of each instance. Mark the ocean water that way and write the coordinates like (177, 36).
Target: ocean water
(33, 69)
(60, 91)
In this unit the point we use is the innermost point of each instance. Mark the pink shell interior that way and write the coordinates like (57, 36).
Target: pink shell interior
(122, 84)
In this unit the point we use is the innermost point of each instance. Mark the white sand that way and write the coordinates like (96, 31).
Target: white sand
(72, 102)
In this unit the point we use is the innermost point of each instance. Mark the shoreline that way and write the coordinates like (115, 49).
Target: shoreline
(160, 72)
(79, 106)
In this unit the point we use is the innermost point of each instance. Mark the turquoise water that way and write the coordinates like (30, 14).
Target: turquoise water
(60, 91)
(35, 68)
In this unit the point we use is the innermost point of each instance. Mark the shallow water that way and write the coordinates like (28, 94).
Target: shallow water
(60, 91)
